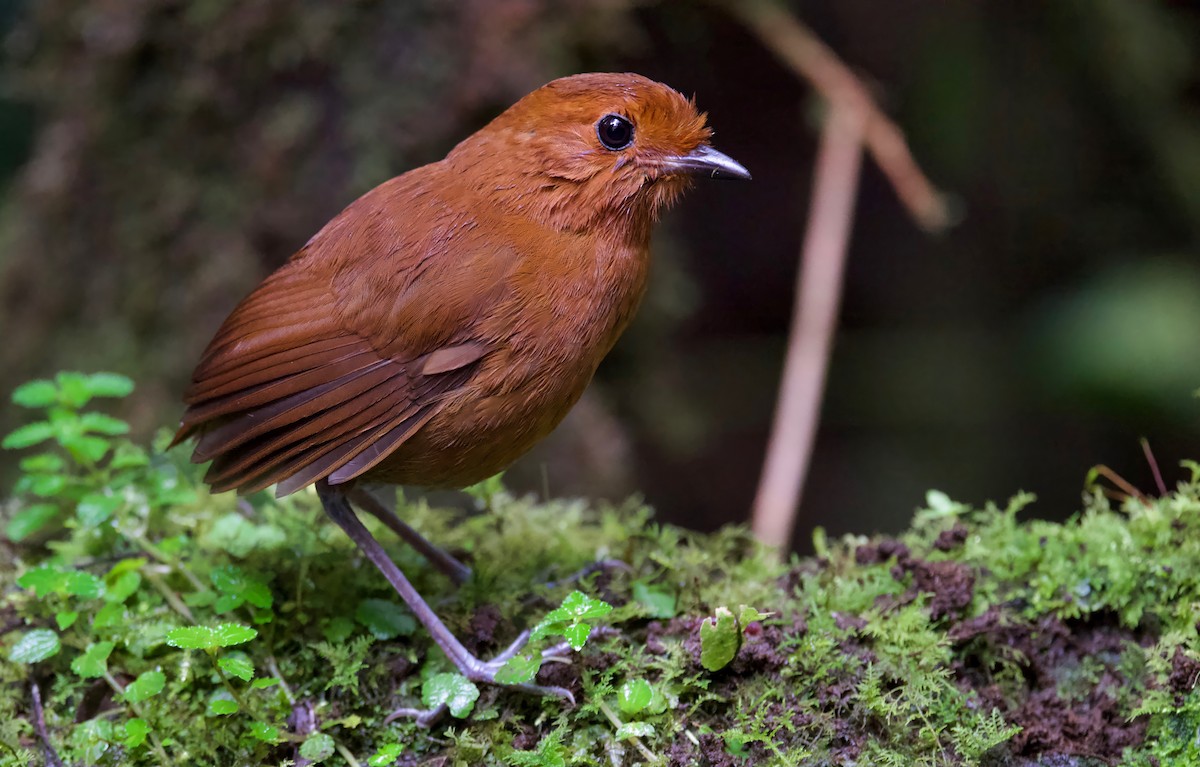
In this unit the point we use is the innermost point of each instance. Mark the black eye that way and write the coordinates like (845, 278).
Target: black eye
(614, 131)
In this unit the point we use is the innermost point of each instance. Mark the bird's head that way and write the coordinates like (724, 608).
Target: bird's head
(593, 151)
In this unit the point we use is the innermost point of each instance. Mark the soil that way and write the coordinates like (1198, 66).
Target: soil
(1059, 681)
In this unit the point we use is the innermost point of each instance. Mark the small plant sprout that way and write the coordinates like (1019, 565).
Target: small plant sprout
(148, 622)
(721, 635)
(570, 621)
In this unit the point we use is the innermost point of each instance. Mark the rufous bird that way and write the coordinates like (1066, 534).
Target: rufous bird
(448, 319)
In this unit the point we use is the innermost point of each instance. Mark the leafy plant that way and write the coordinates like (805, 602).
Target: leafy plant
(162, 621)
(569, 620)
(721, 635)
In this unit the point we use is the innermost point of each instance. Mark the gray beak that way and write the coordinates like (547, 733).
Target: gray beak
(706, 161)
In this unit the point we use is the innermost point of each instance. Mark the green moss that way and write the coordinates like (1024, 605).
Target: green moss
(927, 650)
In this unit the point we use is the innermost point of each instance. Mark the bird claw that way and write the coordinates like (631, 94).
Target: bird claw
(424, 717)
(428, 717)
(484, 672)
(496, 663)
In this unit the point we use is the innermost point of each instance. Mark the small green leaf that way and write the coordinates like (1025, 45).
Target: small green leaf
(147, 685)
(73, 389)
(94, 661)
(634, 695)
(136, 731)
(227, 602)
(221, 703)
(109, 385)
(262, 616)
(941, 505)
(265, 732)
(29, 521)
(36, 394)
(258, 594)
(86, 448)
(519, 669)
(567, 620)
(42, 463)
(66, 619)
(735, 743)
(200, 598)
(317, 747)
(46, 485)
(455, 690)
(384, 619)
(99, 423)
(579, 606)
(337, 630)
(228, 579)
(112, 614)
(83, 585)
(128, 456)
(210, 638)
(192, 638)
(94, 509)
(28, 435)
(577, 635)
(122, 587)
(659, 603)
(124, 566)
(93, 739)
(44, 580)
(260, 684)
(239, 667)
(237, 587)
(719, 640)
(748, 615)
(635, 730)
(230, 634)
(34, 646)
(386, 755)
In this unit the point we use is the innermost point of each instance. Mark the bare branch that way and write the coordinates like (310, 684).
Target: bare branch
(39, 725)
(814, 320)
(801, 50)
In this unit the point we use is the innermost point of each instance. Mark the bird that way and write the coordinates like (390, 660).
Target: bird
(448, 319)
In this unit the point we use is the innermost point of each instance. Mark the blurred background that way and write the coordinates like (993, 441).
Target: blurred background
(158, 158)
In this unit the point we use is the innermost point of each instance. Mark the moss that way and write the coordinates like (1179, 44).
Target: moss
(977, 637)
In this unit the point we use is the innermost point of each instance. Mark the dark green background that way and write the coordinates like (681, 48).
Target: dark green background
(159, 158)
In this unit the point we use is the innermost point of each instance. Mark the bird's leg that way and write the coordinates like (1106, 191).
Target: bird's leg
(338, 507)
(446, 564)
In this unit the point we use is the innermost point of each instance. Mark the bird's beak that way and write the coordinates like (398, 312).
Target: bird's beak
(706, 161)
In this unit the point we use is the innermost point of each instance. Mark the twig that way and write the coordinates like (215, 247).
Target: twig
(119, 689)
(814, 319)
(854, 121)
(39, 724)
(637, 742)
(1122, 484)
(169, 594)
(273, 667)
(1150, 459)
(800, 49)
(345, 752)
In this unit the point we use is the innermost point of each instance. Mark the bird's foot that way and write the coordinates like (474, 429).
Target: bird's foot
(484, 672)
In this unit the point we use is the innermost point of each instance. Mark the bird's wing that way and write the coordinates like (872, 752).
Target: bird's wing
(324, 370)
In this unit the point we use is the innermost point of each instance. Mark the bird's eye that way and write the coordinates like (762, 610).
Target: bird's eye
(614, 132)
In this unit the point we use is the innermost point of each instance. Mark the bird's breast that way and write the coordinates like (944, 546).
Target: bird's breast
(549, 336)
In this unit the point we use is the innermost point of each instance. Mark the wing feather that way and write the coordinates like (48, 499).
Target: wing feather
(288, 404)
(352, 346)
